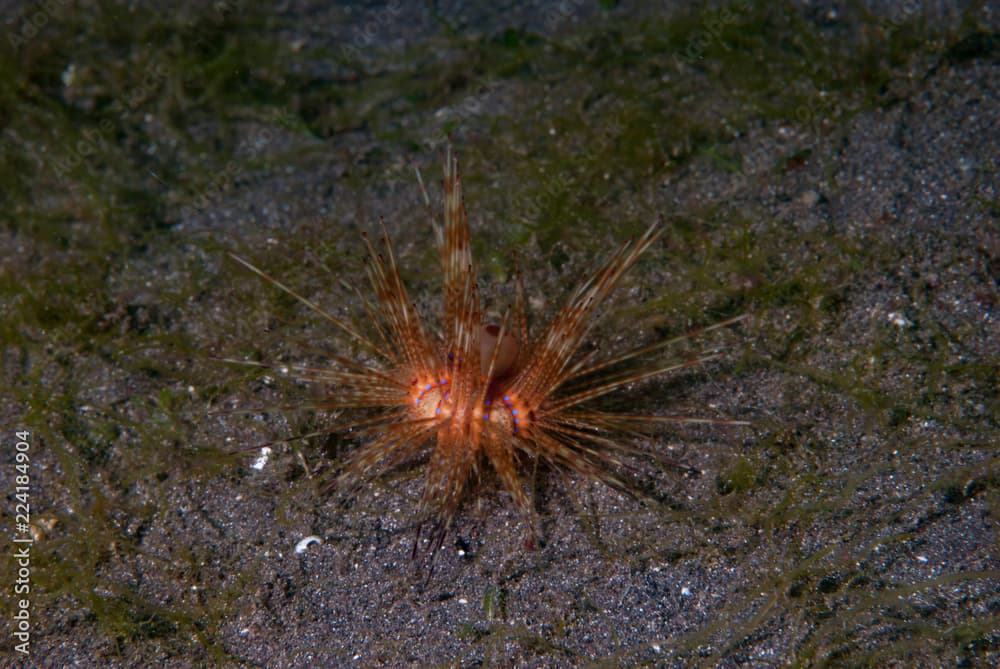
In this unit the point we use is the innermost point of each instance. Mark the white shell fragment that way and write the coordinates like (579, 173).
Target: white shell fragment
(306, 543)
(265, 455)
(899, 320)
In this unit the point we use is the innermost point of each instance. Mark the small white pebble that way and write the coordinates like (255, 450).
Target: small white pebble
(899, 320)
(922, 558)
(69, 75)
(463, 600)
(685, 591)
(265, 455)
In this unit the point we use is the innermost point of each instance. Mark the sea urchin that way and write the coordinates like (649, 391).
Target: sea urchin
(483, 392)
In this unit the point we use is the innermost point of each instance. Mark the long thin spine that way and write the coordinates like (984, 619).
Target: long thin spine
(358, 337)
(565, 334)
(613, 383)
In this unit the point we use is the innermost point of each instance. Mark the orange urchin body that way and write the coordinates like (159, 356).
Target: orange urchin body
(484, 393)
